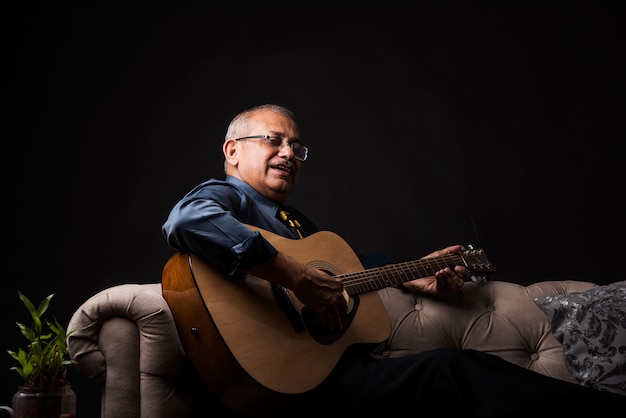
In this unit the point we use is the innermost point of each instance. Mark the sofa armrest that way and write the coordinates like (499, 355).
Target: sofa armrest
(153, 377)
(495, 317)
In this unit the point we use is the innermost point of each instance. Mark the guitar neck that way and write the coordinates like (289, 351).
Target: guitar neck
(394, 274)
(326, 250)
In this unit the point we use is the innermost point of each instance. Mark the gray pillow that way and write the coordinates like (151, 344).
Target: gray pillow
(591, 325)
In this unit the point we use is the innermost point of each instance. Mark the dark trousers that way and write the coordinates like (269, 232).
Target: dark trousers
(442, 381)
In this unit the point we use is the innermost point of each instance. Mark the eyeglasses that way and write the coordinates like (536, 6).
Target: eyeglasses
(299, 150)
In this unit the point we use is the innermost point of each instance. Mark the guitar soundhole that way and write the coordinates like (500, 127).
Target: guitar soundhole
(321, 334)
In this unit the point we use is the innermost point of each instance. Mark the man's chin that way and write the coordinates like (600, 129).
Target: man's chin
(281, 190)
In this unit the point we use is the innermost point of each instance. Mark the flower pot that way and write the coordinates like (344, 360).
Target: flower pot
(29, 402)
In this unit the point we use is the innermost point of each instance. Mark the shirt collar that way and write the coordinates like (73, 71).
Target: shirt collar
(266, 205)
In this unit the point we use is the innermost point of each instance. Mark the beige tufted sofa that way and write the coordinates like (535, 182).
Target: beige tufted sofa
(132, 348)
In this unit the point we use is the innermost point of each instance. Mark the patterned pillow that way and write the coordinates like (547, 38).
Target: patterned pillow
(591, 325)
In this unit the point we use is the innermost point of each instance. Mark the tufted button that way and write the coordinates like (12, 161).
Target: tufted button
(534, 356)
(418, 306)
(490, 308)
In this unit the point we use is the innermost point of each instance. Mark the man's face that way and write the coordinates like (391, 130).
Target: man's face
(272, 170)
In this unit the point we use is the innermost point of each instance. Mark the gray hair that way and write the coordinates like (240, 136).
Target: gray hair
(239, 125)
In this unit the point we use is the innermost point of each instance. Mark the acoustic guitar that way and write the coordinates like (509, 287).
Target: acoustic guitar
(255, 345)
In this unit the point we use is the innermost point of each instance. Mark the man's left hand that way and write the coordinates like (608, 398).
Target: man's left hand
(444, 280)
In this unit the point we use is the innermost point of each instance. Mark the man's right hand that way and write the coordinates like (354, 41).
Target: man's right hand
(319, 291)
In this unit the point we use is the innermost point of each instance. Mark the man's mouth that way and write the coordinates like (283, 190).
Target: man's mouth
(284, 167)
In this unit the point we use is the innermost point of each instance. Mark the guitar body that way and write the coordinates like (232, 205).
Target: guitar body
(242, 342)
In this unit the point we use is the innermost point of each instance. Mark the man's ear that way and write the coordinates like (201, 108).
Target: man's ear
(231, 152)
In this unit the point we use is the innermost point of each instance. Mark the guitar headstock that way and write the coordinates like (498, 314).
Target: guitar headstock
(476, 261)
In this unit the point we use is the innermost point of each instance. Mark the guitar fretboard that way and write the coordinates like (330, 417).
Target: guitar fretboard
(393, 274)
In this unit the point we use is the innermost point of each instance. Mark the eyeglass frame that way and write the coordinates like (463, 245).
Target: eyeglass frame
(268, 138)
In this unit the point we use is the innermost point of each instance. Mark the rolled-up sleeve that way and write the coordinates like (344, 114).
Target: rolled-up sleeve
(205, 223)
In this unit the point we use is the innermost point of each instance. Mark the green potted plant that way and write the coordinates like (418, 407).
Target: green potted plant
(43, 365)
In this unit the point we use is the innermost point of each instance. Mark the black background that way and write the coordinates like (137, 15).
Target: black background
(497, 124)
